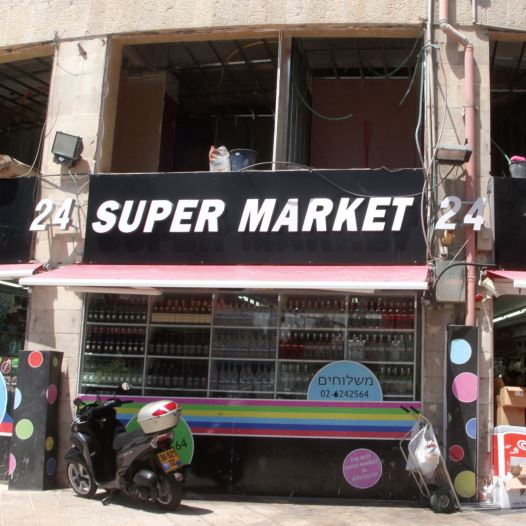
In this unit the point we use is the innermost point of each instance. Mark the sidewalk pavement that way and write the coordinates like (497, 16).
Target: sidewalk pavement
(63, 508)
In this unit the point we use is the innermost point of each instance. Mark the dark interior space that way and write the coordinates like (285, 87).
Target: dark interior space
(352, 103)
(24, 90)
(209, 92)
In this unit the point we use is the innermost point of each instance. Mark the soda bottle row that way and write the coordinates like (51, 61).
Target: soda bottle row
(235, 376)
(311, 345)
(179, 343)
(175, 374)
(112, 373)
(295, 377)
(380, 347)
(315, 305)
(245, 311)
(382, 313)
(189, 310)
(114, 340)
(243, 344)
(118, 310)
(395, 380)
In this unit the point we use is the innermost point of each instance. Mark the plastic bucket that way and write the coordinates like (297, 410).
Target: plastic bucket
(241, 158)
(518, 169)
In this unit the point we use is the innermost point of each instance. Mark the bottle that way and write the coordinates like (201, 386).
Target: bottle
(219, 159)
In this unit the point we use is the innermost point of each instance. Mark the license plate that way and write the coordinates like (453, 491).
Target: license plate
(170, 460)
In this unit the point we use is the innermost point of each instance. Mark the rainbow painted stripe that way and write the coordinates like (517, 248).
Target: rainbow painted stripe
(288, 418)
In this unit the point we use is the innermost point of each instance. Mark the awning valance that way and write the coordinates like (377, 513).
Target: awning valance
(337, 278)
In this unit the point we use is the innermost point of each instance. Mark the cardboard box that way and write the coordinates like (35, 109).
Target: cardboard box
(515, 483)
(509, 492)
(512, 396)
(511, 416)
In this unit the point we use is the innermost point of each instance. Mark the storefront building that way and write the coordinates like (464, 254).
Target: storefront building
(233, 292)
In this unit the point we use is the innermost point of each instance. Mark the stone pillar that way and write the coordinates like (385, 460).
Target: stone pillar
(449, 94)
(76, 95)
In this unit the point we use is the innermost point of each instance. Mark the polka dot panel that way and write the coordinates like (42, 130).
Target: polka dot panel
(24, 429)
(35, 359)
(460, 351)
(465, 387)
(465, 484)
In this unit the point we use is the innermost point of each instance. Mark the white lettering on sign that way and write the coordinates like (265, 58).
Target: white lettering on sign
(62, 217)
(257, 215)
(452, 205)
(253, 215)
(321, 214)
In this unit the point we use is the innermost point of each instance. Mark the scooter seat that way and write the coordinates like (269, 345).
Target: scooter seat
(123, 440)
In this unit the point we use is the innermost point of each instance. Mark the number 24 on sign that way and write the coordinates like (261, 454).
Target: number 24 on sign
(452, 204)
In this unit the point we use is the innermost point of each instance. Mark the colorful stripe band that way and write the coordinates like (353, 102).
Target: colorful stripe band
(287, 418)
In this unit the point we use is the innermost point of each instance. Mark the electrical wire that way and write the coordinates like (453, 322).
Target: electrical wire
(336, 185)
(464, 263)
(397, 68)
(318, 114)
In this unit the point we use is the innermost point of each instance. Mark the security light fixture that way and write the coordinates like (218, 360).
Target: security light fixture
(453, 153)
(66, 148)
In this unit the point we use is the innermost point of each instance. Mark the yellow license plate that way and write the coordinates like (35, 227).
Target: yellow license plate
(169, 460)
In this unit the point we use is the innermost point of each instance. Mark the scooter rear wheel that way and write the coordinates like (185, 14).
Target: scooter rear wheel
(80, 479)
(170, 493)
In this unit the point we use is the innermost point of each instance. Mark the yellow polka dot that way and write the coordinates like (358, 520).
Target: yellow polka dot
(50, 442)
(466, 484)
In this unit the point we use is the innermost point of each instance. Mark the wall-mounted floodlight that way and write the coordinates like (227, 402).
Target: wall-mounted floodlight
(453, 153)
(66, 148)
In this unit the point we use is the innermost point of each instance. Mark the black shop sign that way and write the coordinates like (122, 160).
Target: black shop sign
(509, 222)
(17, 201)
(281, 217)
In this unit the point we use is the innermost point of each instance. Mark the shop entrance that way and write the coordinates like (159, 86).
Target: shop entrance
(509, 320)
(24, 89)
(13, 314)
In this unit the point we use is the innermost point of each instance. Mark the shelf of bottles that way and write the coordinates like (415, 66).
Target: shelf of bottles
(245, 345)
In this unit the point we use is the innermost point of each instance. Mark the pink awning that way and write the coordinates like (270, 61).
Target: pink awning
(18, 270)
(341, 278)
(516, 277)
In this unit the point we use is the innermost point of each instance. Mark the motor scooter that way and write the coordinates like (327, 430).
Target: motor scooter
(140, 463)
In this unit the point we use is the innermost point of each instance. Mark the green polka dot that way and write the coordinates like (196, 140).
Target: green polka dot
(24, 429)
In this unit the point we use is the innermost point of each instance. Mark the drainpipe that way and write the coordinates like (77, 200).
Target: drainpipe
(470, 130)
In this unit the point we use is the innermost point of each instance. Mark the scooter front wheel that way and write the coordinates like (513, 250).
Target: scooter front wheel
(80, 479)
(169, 493)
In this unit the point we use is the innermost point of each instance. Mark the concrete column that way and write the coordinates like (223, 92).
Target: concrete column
(75, 106)
(449, 93)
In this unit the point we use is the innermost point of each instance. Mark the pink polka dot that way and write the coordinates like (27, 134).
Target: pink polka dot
(11, 465)
(465, 387)
(456, 453)
(35, 359)
(51, 394)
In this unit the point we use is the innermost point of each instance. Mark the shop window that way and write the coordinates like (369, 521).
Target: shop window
(246, 345)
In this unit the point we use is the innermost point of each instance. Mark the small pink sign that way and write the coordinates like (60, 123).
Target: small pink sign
(362, 468)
